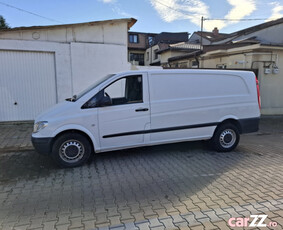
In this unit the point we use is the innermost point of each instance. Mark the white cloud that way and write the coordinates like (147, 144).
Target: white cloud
(116, 9)
(277, 11)
(241, 8)
(171, 10)
(108, 1)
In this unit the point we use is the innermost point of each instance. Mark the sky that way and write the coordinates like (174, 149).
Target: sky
(153, 16)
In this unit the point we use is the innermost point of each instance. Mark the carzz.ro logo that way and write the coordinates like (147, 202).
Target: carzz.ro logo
(252, 221)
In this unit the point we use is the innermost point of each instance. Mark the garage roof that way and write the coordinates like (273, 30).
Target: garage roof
(130, 21)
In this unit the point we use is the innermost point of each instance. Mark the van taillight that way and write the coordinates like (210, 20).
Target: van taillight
(258, 93)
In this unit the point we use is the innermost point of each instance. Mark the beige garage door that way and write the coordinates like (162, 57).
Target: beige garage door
(27, 84)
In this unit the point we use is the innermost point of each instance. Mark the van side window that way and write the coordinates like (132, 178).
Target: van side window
(93, 102)
(125, 90)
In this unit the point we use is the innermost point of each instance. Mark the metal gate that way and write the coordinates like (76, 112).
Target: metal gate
(27, 84)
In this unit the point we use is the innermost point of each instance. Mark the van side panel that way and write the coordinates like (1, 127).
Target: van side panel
(197, 102)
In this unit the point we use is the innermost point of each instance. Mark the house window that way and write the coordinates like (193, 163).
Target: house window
(183, 65)
(221, 66)
(150, 41)
(133, 38)
(155, 54)
(195, 64)
(137, 57)
(147, 56)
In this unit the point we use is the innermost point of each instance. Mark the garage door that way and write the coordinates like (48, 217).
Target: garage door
(27, 84)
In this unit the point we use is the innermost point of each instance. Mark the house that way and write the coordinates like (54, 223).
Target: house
(143, 47)
(161, 42)
(258, 48)
(207, 38)
(43, 65)
(175, 50)
(137, 44)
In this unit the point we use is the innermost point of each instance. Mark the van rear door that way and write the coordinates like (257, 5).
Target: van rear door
(123, 123)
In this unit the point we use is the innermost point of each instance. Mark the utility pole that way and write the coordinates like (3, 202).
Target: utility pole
(201, 29)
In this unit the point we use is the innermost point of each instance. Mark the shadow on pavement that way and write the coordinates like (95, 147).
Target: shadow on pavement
(163, 172)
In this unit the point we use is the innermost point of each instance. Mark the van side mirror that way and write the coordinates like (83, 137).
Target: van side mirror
(105, 101)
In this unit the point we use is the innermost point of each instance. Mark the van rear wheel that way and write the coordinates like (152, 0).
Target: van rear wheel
(71, 150)
(225, 138)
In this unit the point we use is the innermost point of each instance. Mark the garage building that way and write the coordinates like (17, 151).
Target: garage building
(43, 65)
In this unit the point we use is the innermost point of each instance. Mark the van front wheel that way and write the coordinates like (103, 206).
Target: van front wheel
(225, 138)
(71, 150)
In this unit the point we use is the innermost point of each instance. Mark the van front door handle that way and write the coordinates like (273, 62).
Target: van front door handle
(141, 109)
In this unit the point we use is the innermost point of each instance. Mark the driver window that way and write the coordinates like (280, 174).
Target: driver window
(126, 90)
(117, 89)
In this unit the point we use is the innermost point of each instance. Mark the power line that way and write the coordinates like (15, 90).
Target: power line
(178, 11)
(226, 19)
(14, 7)
(214, 19)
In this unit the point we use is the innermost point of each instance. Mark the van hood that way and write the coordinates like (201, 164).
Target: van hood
(60, 109)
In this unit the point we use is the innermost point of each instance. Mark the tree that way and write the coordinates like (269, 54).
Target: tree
(3, 23)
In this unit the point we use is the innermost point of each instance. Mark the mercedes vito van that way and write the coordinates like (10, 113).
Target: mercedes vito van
(141, 108)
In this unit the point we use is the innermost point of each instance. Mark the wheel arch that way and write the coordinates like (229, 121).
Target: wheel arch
(74, 130)
(233, 121)
(215, 142)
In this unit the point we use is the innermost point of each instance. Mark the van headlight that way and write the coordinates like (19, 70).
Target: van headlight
(39, 125)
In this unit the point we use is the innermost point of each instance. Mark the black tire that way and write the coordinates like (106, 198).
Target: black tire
(226, 138)
(71, 150)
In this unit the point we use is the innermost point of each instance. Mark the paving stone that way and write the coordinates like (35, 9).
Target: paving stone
(76, 222)
(212, 216)
(158, 228)
(62, 227)
(179, 186)
(143, 226)
(199, 227)
(23, 227)
(154, 222)
(49, 225)
(190, 218)
(114, 220)
(167, 222)
(222, 225)
(130, 226)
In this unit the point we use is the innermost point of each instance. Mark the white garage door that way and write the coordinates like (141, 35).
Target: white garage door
(27, 84)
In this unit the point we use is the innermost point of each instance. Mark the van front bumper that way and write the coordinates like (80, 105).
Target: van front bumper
(42, 145)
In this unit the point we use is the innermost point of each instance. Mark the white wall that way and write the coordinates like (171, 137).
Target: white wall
(271, 86)
(108, 32)
(93, 61)
(83, 52)
(151, 58)
(77, 64)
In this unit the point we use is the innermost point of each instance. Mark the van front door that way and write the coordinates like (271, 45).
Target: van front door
(124, 118)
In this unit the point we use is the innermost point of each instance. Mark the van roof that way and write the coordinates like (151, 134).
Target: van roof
(205, 71)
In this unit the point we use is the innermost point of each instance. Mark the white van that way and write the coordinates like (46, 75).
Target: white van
(141, 108)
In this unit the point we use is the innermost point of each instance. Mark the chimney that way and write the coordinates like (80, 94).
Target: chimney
(215, 31)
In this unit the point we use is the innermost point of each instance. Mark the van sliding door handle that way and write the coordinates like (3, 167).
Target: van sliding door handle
(141, 109)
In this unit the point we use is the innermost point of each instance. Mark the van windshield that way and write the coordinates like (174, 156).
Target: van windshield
(84, 92)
